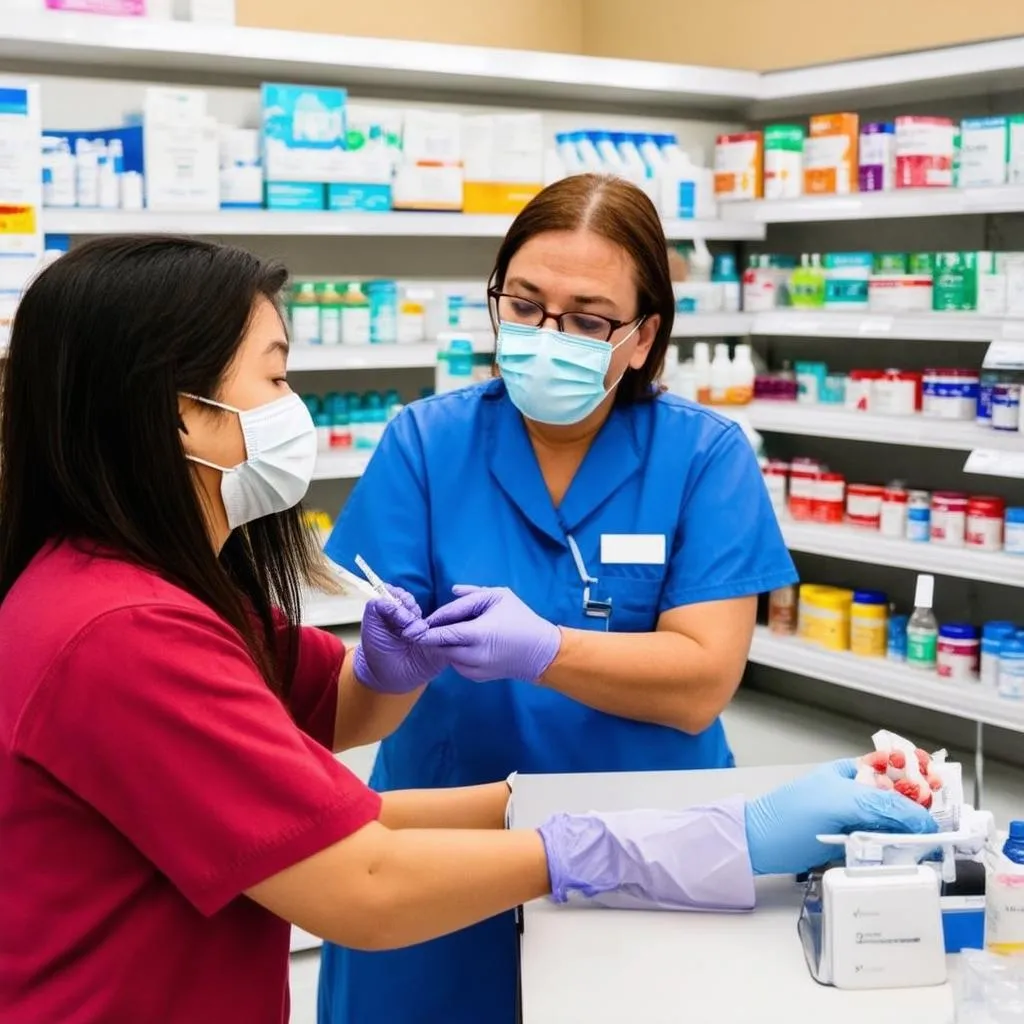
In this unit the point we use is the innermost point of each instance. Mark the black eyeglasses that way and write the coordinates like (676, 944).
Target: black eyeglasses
(514, 309)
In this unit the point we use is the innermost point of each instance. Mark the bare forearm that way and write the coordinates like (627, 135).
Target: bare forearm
(364, 716)
(661, 677)
(472, 807)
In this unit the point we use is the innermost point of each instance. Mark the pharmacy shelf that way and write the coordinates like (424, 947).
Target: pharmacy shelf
(712, 325)
(332, 610)
(900, 203)
(361, 357)
(340, 466)
(885, 679)
(907, 327)
(860, 545)
(474, 72)
(396, 224)
(917, 431)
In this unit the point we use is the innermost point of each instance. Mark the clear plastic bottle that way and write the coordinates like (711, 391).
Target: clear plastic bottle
(721, 374)
(702, 371)
(1004, 895)
(741, 377)
(923, 627)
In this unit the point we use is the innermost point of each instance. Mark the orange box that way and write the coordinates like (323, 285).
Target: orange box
(739, 166)
(830, 154)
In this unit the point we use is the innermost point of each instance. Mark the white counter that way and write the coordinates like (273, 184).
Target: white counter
(588, 966)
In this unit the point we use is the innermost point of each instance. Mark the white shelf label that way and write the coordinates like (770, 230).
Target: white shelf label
(876, 325)
(1005, 355)
(988, 462)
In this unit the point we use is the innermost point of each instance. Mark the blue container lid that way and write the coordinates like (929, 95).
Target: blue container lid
(1017, 829)
(959, 631)
(997, 630)
(1015, 515)
(870, 597)
(1012, 645)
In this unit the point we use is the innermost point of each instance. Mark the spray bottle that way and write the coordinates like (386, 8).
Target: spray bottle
(923, 627)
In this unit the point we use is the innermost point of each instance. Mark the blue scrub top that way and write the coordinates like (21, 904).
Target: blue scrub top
(454, 494)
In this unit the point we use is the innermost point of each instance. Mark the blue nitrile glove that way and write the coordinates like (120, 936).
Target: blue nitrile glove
(389, 657)
(488, 633)
(782, 824)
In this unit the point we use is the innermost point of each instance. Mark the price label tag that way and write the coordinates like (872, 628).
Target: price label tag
(876, 325)
(1005, 355)
(988, 462)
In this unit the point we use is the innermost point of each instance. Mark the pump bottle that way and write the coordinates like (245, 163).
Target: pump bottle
(923, 627)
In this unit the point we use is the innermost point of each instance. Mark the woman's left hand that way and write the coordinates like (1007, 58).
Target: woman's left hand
(389, 657)
(782, 825)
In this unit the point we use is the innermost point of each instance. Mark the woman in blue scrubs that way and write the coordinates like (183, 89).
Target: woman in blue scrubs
(636, 521)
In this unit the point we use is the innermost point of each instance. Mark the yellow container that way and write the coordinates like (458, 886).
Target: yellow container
(824, 616)
(869, 629)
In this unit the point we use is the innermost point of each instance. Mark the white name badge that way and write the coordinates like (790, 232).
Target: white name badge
(633, 548)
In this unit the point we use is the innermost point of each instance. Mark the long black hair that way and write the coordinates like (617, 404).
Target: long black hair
(103, 342)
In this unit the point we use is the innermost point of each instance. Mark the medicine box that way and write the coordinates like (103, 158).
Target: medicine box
(900, 293)
(738, 166)
(181, 148)
(429, 175)
(830, 154)
(924, 152)
(241, 172)
(1015, 149)
(877, 167)
(503, 162)
(783, 161)
(372, 148)
(303, 143)
(984, 151)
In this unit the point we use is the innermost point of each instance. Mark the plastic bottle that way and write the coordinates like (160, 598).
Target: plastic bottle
(108, 183)
(305, 314)
(330, 314)
(633, 162)
(590, 158)
(741, 383)
(993, 636)
(87, 177)
(392, 404)
(375, 418)
(686, 381)
(1004, 895)
(699, 261)
(702, 371)
(568, 153)
(610, 158)
(355, 316)
(337, 407)
(725, 273)
(670, 371)
(1011, 667)
(357, 422)
(652, 155)
(923, 627)
(721, 374)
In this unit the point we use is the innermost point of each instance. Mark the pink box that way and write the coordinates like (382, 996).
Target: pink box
(117, 8)
(924, 152)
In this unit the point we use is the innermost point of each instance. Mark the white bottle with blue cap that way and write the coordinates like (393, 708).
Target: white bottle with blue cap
(1004, 895)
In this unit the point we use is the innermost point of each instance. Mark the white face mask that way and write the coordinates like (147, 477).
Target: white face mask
(280, 451)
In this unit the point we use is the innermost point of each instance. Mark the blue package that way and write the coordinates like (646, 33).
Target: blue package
(896, 649)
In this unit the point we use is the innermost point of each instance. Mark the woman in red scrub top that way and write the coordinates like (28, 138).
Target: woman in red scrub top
(168, 798)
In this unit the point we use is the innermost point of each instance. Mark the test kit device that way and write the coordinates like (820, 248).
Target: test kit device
(372, 586)
(881, 921)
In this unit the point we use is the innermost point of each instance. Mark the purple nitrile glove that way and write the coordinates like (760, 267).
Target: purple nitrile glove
(488, 633)
(389, 658)
(652, 860)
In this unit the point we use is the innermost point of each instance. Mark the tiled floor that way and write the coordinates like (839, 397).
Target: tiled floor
(762, 730)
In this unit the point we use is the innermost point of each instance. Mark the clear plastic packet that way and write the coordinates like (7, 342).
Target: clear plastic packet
(989, 988)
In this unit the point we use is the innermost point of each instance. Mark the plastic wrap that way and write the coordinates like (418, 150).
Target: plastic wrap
(990, 988)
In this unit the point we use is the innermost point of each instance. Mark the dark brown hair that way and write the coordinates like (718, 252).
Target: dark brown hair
(621, 212)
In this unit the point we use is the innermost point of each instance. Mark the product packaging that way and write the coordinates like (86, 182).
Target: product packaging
(984, 151)
(241, 174)
(783, 161)
(303, 143)
(877, 157)
(373, 146)
(924, 152)
(823, 616)
(111, 8)
(738, 166)
(430, 174)
(930, 779)
(846, 279)
(503, 162)
(900, 293)
(955, 282)
(1015, 149)
(830, 154)
(182, 150)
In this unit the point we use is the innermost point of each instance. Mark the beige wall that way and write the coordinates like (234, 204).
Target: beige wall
(754, 34)
(555, 25)
(766, 35)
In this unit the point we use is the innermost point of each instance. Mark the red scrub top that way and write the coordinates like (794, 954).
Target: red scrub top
(147, 778)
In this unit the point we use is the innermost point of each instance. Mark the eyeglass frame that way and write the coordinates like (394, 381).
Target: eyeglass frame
(496, 294)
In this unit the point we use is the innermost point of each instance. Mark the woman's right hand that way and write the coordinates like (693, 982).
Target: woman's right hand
(389, 657)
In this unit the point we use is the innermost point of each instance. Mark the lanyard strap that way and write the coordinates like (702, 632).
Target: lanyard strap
(592, 607)
(585, 578)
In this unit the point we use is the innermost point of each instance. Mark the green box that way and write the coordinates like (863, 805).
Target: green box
(784, 136)
(921, 263)
(955, 282)
(887, 263)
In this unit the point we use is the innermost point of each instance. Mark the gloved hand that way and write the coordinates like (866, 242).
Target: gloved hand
(488, 633)
(782, 825)
(649, 860)
(389, 657)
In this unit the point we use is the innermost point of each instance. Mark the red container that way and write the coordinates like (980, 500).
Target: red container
(864, 505)
(803, 474)
(827, 502)
(985, 517)
(949, 518)
(860, 386)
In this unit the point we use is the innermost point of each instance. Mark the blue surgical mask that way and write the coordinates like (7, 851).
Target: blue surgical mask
(553, 377)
